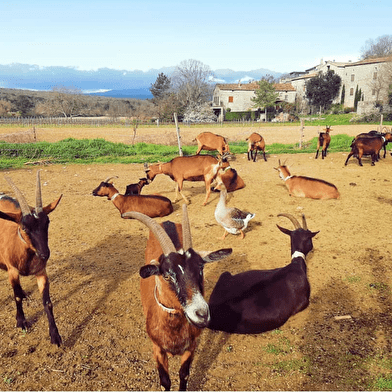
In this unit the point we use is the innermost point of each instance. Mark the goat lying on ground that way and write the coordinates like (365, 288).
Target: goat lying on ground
(151, 205)
(172, 291)
(261, 300)
(255, 143)
(323, 141)
(136, 189)
(301, 186)
(189, 168)
(211, 142)
(368, 145)
(24, 249)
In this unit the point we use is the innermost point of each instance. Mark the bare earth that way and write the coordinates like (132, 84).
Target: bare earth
(96, 256)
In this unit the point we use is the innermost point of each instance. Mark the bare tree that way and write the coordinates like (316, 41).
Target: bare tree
(191, 82)
(5, 107)
(381, 47)
(382, 81)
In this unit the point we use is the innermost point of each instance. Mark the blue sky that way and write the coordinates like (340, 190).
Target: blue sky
(282, 36)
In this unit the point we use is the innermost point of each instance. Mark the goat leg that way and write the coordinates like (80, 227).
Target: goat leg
(19, 295)
(163, 367)
(186, 362)
(43, 285)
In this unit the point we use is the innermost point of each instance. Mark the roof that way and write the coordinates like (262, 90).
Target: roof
(371, 61)
(254, 86)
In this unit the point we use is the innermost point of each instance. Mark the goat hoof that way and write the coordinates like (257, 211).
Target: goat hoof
(56, 339)
(23, 324)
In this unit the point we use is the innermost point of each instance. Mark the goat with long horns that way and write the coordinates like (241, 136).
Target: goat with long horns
(24, 249)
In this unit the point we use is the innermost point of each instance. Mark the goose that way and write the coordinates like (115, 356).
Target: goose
(232, 219)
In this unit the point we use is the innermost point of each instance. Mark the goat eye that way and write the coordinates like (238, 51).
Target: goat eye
(168, 278)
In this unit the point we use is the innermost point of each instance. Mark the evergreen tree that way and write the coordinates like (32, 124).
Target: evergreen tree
(323, 89)
(161, 87)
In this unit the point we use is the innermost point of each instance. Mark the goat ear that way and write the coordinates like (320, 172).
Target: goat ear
(283, 230)
(314, 233)
(52, 206)
(149, 270)
(11, 216)
(217, 255)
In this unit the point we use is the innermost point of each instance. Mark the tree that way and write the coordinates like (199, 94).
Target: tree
(5, 107)
(323, 89)
(381, 47)
(265, 95)
(160, 88)
(65, 101)
(191, 82)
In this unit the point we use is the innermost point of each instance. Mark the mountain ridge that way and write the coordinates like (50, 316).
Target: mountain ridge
(107, 82)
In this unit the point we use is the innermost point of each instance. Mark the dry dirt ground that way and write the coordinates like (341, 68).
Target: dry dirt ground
(94, 275)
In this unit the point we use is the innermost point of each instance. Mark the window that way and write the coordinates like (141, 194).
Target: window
(375, 75)
(231, 98)
(351, 91)
(352, 77)
(373, 92)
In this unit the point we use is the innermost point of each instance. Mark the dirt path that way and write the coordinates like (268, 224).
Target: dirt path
(94, 268)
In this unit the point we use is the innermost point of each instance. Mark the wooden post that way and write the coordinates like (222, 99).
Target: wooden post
(301, 133)
(178, 135)
(381, 120)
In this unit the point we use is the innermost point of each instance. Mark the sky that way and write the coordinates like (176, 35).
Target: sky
(282, 36)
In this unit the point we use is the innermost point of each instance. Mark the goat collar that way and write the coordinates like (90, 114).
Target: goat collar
(287, 178)
(297, 254)
(163, 307)
(114, 196)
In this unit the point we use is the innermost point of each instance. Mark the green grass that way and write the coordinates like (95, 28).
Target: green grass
(14, 155)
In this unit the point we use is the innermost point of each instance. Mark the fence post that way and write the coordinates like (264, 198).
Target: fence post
(178, 135)
(301, 133)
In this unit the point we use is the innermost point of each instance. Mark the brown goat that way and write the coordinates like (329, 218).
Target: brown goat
(323, 141)
(151, 205)
(301, 186)
(24, 250)
(211, 142)
(171, 290)
(365, 145)
(188, 168)
(136, 189)
(255, 143)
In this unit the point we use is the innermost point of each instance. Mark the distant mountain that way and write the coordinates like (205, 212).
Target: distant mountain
(105, 81)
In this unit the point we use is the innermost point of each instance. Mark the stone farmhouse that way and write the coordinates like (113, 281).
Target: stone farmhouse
(366, 75)
(237, 97)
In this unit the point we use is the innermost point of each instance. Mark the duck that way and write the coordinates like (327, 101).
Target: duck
(232, 219)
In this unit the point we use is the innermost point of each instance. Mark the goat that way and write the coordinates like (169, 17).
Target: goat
(211, 142)
(261, 300)
(24, 250)
(373, 133)
(301, 186)
(368, 145)
(172, 292)
(230, 179)
(255, 143)
(151, 205)
(323, 141)
(136, 189)
(188, 168)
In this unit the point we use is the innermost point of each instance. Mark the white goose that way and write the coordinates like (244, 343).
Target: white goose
(232, 219)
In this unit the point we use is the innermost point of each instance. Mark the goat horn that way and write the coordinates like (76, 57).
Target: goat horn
(304, 224)
(186, 229)
(19, 196)
(293, 220)
(109, 178)
(38, 195)
(160, 234)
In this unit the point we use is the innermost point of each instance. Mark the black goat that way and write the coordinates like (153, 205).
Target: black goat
(261, 300)
(136, 189)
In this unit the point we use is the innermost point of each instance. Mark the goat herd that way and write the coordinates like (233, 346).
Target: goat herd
(172, 289)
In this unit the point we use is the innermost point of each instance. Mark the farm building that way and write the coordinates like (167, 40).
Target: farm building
(365, 75)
